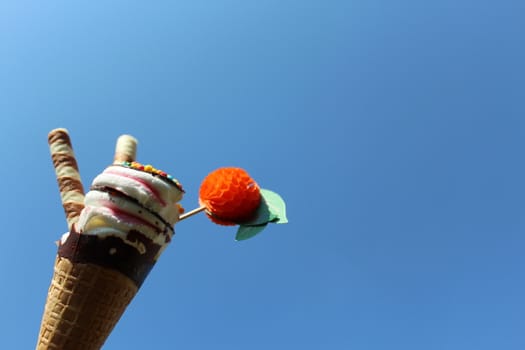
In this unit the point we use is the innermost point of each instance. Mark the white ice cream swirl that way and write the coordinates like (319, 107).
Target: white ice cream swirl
(131, 197)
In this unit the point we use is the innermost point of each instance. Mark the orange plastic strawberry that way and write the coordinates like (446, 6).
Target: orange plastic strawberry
(230, 196)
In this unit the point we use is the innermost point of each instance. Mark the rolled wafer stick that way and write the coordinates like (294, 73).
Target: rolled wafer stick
(68, 176)
(126, 149)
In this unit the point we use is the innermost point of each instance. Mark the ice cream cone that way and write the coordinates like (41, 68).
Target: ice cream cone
(84, 303)
(93, 282)
(118, 230)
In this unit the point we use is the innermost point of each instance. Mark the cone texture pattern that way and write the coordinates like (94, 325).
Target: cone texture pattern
(84, 303)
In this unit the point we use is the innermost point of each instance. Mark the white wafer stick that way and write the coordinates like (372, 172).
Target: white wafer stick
(126, 149)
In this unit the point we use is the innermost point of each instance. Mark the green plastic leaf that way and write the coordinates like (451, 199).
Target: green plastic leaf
(263, 214)
(276, 206)
(245, 232)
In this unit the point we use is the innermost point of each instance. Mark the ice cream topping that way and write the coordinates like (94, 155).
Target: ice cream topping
(135, 203)
(150, 169)
(230, 196)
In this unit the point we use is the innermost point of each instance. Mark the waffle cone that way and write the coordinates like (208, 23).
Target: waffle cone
(84, 303)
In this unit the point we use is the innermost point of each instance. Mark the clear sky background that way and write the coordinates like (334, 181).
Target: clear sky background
(395, 131)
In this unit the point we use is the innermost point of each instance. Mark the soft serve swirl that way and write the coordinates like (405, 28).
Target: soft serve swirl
(130, 198)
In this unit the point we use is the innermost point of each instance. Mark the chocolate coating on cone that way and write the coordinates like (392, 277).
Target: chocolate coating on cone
(111, 252)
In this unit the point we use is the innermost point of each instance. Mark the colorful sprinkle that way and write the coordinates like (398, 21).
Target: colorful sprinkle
(153, 171)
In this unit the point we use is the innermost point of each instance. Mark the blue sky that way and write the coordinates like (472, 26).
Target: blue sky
(394, 130)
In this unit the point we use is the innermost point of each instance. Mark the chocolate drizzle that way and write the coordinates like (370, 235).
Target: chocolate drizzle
(115, 192)
(112, 252)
